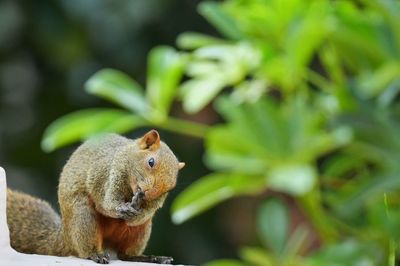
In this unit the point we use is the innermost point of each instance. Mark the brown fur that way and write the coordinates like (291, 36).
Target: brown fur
(101, 175)
(119, 236)
(34, 226)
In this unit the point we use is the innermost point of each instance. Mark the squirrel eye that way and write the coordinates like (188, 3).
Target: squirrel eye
(151, 162)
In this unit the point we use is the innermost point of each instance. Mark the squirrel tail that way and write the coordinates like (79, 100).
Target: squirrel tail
(34, 226)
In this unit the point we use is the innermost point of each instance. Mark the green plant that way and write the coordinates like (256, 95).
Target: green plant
(143, 107)
(310, 108)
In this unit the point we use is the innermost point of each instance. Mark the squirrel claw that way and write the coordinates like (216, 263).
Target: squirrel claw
(100, 258)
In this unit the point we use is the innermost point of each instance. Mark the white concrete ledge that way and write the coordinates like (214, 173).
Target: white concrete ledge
(10, 257)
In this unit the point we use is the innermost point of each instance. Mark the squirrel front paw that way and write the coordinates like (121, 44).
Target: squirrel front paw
(126, 211)
(137, 198)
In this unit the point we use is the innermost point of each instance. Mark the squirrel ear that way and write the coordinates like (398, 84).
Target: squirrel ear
(150, 140)
(181, 165)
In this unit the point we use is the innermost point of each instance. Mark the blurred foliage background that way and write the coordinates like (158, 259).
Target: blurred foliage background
(48, 49)
(286, 113)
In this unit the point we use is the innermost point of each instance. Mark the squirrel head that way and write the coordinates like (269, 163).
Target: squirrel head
(158, 166)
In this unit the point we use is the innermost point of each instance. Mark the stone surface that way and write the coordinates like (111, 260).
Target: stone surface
(10, 257)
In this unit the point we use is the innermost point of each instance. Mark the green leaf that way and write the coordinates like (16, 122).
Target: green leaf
(216, 15)
(119, 88)
(233, 152)
(384, 218)
(390, 94)
(340, 164)
(389, 11)
(211, 190)
(165, 70)
(348, 253)
(295, 179)
(351, 203)
(214, 67)
(197, 93)
(303, 39)
(279, 141)
(372, 84)
(86, 123)
(202, 69)
(273, 225)
(260, 124)
(249, 91)
(194, 40)
(298, 241)
(257, 256)
(358, 38)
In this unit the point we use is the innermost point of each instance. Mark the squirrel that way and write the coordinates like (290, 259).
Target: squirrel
(109, 191)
